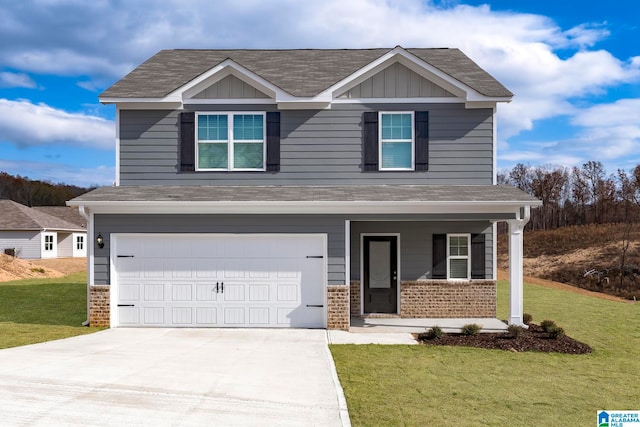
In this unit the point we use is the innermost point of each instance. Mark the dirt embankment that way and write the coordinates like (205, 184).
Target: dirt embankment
(15, 268)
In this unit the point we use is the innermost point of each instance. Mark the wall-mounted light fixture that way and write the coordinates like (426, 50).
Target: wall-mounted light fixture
(100, 241)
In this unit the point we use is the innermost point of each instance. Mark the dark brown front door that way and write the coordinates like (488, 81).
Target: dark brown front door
(380, 274)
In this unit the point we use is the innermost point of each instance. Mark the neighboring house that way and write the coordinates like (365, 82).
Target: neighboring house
(31, 233)
(298, 188)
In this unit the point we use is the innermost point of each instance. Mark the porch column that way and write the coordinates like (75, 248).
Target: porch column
(516, 294)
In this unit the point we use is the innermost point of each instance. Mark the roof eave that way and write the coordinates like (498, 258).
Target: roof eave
(303, 207)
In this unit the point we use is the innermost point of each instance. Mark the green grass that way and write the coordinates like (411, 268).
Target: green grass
(422, 385)
(38, 310)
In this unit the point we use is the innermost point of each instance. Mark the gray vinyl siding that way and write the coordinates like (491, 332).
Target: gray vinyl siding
(228, 88)
(416, 244)
(27, 243)
(317, 148)
(396, 81)
(332, 226)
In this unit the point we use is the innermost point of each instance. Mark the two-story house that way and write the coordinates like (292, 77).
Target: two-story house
(299, 188)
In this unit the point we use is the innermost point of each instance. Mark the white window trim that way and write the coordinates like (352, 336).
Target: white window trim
(450, 257)
(413, 141)
(231, 141)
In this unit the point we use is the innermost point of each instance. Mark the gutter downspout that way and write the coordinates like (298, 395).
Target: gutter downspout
(89, 258)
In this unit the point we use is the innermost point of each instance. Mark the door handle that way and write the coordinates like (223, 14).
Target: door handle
(216, 287)
(222, 286)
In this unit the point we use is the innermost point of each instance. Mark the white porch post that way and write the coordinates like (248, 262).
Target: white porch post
(516, 293)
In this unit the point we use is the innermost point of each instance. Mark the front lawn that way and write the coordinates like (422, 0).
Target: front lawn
(425, 385)
(38, 310)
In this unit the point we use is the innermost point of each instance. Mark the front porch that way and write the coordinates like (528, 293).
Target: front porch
(398, 324)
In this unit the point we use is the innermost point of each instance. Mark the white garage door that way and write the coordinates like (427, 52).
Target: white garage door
(218, 280)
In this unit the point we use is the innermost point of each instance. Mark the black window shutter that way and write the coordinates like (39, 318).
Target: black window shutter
(187, 141)
(439, 267)
(273, 141)
(422, 140)
(477, 256)
(370, 140)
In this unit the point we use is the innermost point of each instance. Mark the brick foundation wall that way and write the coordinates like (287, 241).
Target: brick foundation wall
(441, 298)
(99, 314)
(338, 307)
(354, 298)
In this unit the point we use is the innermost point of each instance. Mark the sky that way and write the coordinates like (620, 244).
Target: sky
(573, 65)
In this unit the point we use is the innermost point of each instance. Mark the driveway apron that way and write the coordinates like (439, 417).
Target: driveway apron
(172, 377)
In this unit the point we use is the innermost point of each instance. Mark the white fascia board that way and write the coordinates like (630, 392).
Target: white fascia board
(302, 207)
(236, 101)
(221, 71)
(434, 100)
(149, 104)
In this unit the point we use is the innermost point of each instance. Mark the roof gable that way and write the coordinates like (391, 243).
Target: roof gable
(396, 81)
(297, 75)
(230, 87)
(14, 216)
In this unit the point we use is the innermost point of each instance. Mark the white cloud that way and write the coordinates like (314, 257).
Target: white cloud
(9, 79)
(27, 124)
(60, 173)
(552, 70)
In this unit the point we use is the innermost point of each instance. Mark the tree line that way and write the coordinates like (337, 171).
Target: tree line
(577, 195)
(36, 193)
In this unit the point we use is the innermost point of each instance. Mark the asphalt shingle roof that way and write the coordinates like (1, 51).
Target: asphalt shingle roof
(65, 213)
(357, 193)
(14, 216)
(299, 72)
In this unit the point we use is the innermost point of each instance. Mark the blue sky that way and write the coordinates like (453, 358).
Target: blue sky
(573, 65)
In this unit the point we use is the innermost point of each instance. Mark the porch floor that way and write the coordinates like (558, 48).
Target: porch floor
(396, 324)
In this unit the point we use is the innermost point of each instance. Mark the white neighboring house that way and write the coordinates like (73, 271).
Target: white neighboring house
(32, 233)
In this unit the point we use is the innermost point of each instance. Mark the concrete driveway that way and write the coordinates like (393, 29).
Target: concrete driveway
(173, 377)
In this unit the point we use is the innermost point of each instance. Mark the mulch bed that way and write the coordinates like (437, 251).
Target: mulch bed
(532, 339)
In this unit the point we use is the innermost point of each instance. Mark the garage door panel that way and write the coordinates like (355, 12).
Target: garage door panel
(154, 291)
(259, 292)
(181, 316)
(234, 292)
(262, 280)
(129, 315)
(259, 316)
(234, 316)
(130, 292)
(181, 292)
(153, 268)
(206, 316)
(154, 316)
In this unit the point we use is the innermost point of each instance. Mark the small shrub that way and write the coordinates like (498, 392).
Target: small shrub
(471, 329)
(515, 331)
(547, 325)
(555, 332)
(527, 318)
(38, 270)
(432, 333)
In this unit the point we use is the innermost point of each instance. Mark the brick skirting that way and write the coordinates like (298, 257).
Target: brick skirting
(338, 307)
(99, 314)
(354, 298)
(441, 298)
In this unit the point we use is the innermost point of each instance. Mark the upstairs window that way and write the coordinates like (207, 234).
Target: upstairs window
(230, 141)
(396, 141)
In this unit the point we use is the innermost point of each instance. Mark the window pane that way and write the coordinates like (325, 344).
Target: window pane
(458, 269)
(396, 126)
(396, 155)
(247, 156)
(212, 127)
(213, 156)
(248, 127)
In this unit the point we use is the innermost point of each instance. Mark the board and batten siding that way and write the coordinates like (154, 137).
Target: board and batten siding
(416, 243)
(332, 226)
(317, 148)
(28, 244)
